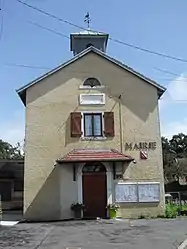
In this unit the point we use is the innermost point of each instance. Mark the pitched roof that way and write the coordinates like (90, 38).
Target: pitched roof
(22, 91)
(87, 155)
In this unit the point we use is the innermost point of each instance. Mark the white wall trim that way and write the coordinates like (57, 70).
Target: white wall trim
(93, 138)
(92, 101)
(109, 183)
(82, 87)
(148, 183)
(92, 112)
(109, 187)
(131, 183)
(79, 182)
(126, 183)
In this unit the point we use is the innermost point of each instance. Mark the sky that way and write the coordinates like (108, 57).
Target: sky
(156, 25)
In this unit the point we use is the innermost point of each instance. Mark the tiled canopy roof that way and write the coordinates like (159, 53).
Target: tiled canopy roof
(85, 155)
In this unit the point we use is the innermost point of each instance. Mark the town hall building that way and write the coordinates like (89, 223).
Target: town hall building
(93, 137)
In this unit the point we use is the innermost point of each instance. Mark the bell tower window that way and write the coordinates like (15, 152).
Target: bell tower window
(89, 45)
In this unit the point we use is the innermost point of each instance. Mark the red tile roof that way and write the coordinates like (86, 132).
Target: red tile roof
(85, 155)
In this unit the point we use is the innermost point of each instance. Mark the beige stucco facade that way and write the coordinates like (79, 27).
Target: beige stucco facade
(49, 188)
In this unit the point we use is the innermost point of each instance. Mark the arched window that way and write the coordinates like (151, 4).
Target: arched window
(93, 167)
(91, 82)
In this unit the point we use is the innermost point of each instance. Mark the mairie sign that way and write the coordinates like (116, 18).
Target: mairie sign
(140, 146)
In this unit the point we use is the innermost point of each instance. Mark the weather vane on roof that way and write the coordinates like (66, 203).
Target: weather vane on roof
(87, 19)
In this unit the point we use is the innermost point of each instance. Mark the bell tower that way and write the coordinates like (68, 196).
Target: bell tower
(84, 39)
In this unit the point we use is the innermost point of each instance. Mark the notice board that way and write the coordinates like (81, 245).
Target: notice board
(126, 193)
(148, 192)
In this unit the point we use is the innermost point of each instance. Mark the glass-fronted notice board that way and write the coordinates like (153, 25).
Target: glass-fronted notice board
(149, 192)
(137, 192)
(126, 193)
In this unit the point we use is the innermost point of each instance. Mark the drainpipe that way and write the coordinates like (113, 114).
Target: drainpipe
(120, 125)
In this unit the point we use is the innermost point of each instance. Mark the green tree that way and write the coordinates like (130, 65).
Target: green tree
(7, 151)
(169, 161)
(178, 143)
(174, 157)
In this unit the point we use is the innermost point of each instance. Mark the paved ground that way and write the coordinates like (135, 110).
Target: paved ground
(101, 234)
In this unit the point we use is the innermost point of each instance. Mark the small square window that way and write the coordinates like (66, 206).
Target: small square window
(93, 125)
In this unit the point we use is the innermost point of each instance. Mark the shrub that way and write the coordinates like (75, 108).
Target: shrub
(184, 207)
(171, 210)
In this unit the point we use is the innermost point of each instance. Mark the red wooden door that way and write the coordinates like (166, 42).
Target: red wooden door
(94, 194)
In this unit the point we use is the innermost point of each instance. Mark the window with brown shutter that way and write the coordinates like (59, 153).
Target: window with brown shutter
(93, 125)
(76, 124)
(109, 124)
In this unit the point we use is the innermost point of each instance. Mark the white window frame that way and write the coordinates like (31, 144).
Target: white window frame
(91, 102)
(91, 87)
(82, 126)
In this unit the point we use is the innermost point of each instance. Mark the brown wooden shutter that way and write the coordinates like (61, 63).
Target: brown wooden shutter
(76, 124)
(109, 124)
